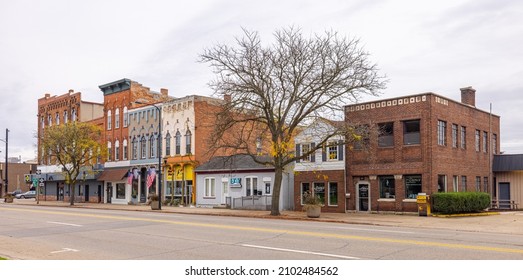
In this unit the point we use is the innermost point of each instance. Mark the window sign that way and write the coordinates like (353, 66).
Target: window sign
(235, 182)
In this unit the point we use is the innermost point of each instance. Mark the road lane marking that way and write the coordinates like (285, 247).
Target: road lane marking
(65, 224)
(300, 252)
(64, 250)
(282, 231)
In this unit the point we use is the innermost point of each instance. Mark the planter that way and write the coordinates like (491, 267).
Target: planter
(8, 199)
(313, 211)
(155, 205)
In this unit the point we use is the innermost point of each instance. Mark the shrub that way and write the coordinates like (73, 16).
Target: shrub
(460, 202)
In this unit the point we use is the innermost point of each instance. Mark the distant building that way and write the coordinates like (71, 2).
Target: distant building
(17, 172)
(508, 181)
(423, 143)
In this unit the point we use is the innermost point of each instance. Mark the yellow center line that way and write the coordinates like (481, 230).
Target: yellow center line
(282, 231)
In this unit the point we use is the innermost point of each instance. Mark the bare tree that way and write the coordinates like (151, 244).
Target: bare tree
(274, 90)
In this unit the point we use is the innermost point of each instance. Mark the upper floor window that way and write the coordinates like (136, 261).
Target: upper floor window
(125, 149)
(361, 137)
(135, 148)
(463, 137)
(168, 144)
(303, 149)
(73, 114)
(117, 150)
(65, 117)
(485, 141)
(117, 118)
(411, 132)
(454, 135)
(143, 148)
(494, 143)
(178, 143)
(57, 119)
(125, 117)
(49, 120)
(477, 137)
(109, 151)
(188, 137)
(109, 120)
(386, 135)
(152, 147)
(332, 150)
(442, 133)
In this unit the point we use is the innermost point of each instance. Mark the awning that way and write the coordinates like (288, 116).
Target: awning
(112, 175)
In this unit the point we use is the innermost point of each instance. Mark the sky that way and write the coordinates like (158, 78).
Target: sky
(421, 46)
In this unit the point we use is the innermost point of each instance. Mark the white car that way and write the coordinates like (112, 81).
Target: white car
(29, 194)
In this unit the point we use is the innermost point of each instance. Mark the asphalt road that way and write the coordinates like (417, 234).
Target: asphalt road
(57, 233)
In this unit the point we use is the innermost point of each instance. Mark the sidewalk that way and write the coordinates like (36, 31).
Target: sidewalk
(504, 222)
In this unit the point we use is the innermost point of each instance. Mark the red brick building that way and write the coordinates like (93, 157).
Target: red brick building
(420, 143)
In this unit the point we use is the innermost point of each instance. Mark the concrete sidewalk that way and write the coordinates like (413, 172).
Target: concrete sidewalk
(503, 222)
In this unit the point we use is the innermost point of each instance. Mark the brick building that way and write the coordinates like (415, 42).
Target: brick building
(420, 143)
(54, 110)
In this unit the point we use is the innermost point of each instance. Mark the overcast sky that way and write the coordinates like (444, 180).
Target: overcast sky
(421, 46)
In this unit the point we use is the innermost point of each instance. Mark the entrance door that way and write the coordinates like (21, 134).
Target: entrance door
(60, 192)
(86, 193)
(109, 192)
(225, 191)
(504, 195)
(99, 193)
(363, 197)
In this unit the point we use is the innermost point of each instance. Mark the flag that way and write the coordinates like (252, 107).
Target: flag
(150, 177)
(129, 177)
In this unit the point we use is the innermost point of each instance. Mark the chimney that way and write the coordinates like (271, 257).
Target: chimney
(47, 95)
(468, 96)
(164, 91)
(71, 91)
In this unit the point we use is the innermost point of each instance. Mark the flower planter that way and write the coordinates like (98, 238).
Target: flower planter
(155, 205)
(313, 211)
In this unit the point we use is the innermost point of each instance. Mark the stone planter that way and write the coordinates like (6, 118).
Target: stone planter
(155, 205)
(9, 199)
(313, 211)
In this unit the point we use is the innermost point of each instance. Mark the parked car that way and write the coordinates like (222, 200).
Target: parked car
(29, 194)
(15, 192)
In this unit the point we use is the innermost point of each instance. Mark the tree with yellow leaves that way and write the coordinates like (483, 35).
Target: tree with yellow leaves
(71, 146)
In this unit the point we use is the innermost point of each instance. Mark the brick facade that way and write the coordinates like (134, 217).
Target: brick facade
(434, 161)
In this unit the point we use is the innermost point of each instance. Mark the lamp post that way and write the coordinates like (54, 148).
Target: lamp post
(159, 152)
(6, 141)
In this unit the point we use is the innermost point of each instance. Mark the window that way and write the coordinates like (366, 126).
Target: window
(120, 190)
(477, 140)
(332, 150)
(485, 142)
(109, 120)
(305, 188)
(125, 149)
(387, 186)
(442, 133)
(210, 187)
(178, 142)
(152, 147)
(65, 117)
(455, 183)
(251, 185)
(188, 136)
(463, 183)
(478, 183)
(143, 144)
(168, 144)
(485, 184)
(49, 120)
(319, 191)
(386, 135)
(442, 183)
(494, 143)
(135, 148)
(411, 132)
(305, 148)
(412, 185)
(109, 151)
(361, 137)
(125, 117)
(463, 137)
(57, 119)
(333, 194)
(117, 118)
(454, 135)
(117, 150)
(73, 115)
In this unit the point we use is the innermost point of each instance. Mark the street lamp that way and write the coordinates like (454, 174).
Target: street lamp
(159, 153)
(6, 156)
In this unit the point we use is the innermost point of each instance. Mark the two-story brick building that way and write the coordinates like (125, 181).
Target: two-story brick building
(419, 143)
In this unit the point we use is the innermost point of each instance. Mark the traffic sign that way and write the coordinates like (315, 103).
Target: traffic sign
(41, 180)
(38, 171)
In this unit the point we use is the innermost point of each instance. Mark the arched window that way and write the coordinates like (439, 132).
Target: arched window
(125, 150)
(49, 120)
(152, 147)
(65, 117)
(135, 148)
(117, 150)
(109, 120)
(57, 118)
(109, 151)
(117, 118)
(143, 144)
(73, 114)
(168, 144)
(178, 140)
(188, 137)
(125, 117)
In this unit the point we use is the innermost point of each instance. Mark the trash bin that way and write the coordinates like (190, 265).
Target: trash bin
(423, 201)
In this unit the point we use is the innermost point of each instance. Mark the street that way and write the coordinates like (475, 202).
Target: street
(58, 233)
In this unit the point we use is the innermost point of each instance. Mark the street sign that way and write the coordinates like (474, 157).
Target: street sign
(41, 185)
(41, 180)
(27, 178)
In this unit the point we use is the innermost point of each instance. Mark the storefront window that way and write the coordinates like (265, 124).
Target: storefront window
(319, 191)
(120, 190)
(387, 186)
(412, 186)
(305, 188)
(333, 194)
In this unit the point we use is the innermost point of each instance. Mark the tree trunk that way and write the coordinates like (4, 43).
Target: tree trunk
(278, 176)
(71, 194)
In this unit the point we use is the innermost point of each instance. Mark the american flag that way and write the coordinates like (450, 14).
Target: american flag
(129, 178)
(150, 177)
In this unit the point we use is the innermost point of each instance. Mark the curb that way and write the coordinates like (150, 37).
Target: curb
(465, 215)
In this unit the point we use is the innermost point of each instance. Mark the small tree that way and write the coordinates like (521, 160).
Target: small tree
(272, 91)
(72, 146)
